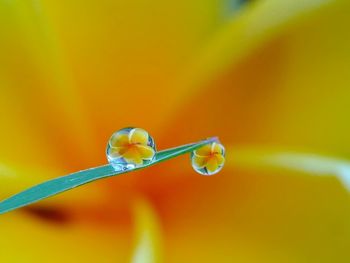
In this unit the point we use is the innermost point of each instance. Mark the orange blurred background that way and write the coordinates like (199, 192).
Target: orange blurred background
(269, 77)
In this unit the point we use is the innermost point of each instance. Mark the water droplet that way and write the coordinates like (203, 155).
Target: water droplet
(129, 148)
(208, 159)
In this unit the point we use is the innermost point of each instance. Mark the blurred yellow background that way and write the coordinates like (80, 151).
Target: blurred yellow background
(269, 77)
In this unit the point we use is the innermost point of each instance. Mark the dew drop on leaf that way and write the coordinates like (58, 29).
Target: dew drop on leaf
(208, 159)
(130, 148)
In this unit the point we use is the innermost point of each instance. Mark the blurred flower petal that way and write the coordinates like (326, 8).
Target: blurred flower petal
(250, 214)
(314, 164)
(112, 70)
(29, 239)
(290, 89)
(40, 85)
(148, 243)
(255, 25)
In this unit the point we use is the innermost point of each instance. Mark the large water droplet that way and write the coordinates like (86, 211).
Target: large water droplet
(129, 148)
(208, 159)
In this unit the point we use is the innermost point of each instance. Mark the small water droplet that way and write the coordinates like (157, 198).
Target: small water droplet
(129, 148)
(208, 159)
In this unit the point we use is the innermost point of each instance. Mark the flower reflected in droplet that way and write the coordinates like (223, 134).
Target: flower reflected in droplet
(129, 148)
(209, 159)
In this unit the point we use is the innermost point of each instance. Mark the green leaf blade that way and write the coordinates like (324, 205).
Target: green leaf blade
(65, 183)
(55, 186)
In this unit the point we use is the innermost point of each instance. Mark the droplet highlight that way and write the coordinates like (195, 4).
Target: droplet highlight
(130, 148)
(208, 159)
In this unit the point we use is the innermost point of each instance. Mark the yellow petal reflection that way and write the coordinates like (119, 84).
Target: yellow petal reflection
(131, 145)
(212, 164)
(217, 148)
(146, 152)
(204, 151)
(200, 161)
(209, 156)
(220, 159)
(138, 136)
(116, 152)
(119, 140)
(132, 155)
